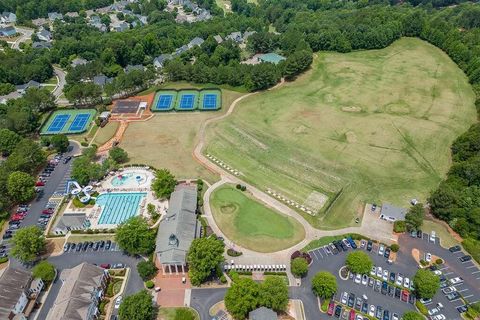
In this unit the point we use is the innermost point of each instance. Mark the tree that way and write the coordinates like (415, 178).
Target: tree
(426, 283)
(414, 217)
(118, 155)
(137, 306)
(44, 270)
(27, 157)
(242, 297)
(296, 63)
(21, 186)
(60, 142)
(146, 269)
(324, 284)
(164, 184)
(299, 267)
(8, 141)
(28, 243)
(274, 293)
(135, 237)
(412, 315)
(359, 262)
(204, 256)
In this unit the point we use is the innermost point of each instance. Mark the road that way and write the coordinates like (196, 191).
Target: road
(69, 260)
(26, 35)
(60, 74)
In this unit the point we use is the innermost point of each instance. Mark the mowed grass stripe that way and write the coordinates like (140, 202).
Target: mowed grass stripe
(376, 125)
(250, 224)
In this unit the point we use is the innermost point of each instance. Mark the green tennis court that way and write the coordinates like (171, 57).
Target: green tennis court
(210, 100)
(68, 121)
(164, 100)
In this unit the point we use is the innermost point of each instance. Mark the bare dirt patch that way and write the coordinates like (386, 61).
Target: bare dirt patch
(351, 109)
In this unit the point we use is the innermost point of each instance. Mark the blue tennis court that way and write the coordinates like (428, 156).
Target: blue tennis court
(210, 101)
(164, 102)
(187, 101)
(79, 122)
(58, 123)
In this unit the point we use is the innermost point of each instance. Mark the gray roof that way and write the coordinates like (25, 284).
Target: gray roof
(262, 313)
(8, 16)
(195, 42)
(71, 220)
(54, 16)
(13, 283)
(78, 61)
(160, 60)
(28, 85)
(235, 36)
(45, 34)
(41, 45)
(179, 227)
(101, 80)
(130, 68)
(397, 213)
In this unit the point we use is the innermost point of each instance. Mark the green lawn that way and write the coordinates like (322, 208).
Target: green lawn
(106, 133)
(371, 126)
(171, 314)
(252, 225)
(446, 239)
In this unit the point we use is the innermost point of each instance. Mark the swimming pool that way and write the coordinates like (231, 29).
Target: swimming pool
(118, 207)
(136, 178)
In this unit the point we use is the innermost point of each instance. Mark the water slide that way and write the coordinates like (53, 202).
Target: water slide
(78, 189)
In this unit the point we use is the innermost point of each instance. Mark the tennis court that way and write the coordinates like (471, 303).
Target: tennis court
(210, 100)
(188, 100)
(68, 121)
(164, 100)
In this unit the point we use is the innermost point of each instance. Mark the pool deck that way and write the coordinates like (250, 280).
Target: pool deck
(93, 213)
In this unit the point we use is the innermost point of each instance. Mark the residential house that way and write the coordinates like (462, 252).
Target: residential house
(129, 68)
(101, 80)
(203, 15)
(82, 289)
(72, 14)
(39, 22)
(180, 50)
(159, 61)
(71, 221)
(235, 36)
(21, 89)
(18, 293)
(218, 38)
(41, 45)
(180, 18)
(197, 41)
(392, 213)
(52, 16)
(119, 26)
(262, 313)
(8, 18)
(78, 62)
(44, 35)
(8, 31)
(177, 229)
(247, 34)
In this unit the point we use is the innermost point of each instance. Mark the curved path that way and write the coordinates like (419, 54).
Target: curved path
(249, 256)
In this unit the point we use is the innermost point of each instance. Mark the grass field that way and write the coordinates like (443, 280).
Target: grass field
(252, 225)
(168, 139)
(370, 126)
(446, 239)
(170, 314)
(106, 133)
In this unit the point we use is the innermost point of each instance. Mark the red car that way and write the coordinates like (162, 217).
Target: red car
(16, 218)
(39, 184)
(352, 315)
(47, 211)
(404, 295)
(105, 265)
(331, 308)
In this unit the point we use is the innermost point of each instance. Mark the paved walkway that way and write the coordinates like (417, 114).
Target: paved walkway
(117, 137)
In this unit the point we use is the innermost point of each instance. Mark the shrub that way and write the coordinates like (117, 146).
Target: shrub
(146, 269)
(84, 144)
(149, 284)
(421, 308)
(299, 267)
(223, 279)
(394, 247)
(439, 261)
(3, 260)
(423, 263)
(359, 262)
(399, 226)
(233, 253)
(238, 186)
(304, 255)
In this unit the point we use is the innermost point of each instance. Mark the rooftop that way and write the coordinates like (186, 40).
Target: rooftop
(13, 284)
(397, 213)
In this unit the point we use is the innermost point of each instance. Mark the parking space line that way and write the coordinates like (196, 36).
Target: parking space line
(466, 297)
(443, 268)
(320, 254)
(314, 254)
(462, 290)
(455, 300)
(475, 272)
(448, 273)
(472, 266)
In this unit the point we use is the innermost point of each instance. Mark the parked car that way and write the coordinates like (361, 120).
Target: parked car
(39, 184)
(364, 279)
(399, 281)
(105, 266)
(371, 282)
(117, 266)
(387, 253)
(66, 247)
(379, 272)
(118, 301)
(386, 315)
(456, 280)
(392, 277)
(72, 246)
(453, 296)
(374, 206)
(364, 307)
(426, 301)
(432, 236)
(428, 257)
(346, 243)
(108, 244)
(351, 300)
(437, 309)
(331, 308)
(465, 258)
(373, 271)
(406, 282)
(455, 249)
(462, 309)
(394, 316)
(67, 159)
(391, 291)
(369, 245)
(358, 304)
(384, 289)
(344, 298)
(338, 311)
(333, 248)
(419, 234)
(379, 312)
(351, 315)
(397, 292)
(438, 317)
(404, 296)
(352, 242)
(377, 285)
(411, 299)
(371, 311)
(385, 275)
(381, 250)
(79, 247)
(358, 278)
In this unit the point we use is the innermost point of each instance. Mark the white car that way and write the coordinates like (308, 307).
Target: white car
(439, 317)
(344, 298)
(431, 312)
(428, 257)
(438, 272)
(358, 278)
(426, 301)
(385, 275)
(394, 316)
(432, 236)
(364, 279)
(406, 282)
(118, 301)
(381, 250)
(379, 272)
(359, 317)
(373, 271)
(456, 280)
(399, 280)
(371, 312)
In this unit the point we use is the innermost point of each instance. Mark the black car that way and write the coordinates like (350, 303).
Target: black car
(392, 277)
(96, 245)
(369, 245)
(462, 309)
(102, 243)
(391, 291)
(67, 159)
(398, 291)
(419, 233)
(465, 258)
(379, 312)
(333, 249)
(66, 247)
(85, 246)
(386, 315)
(7, 235)
(374, 206)
(454, 249)
(72, 246)
(108, 245)
(384, 287)
(365, 307)
(351, 300)
(338, 311)
(387, 253)
(90, 245)
(342, 245)
(11, 223)
(411, 299)
(337, 246)
(79, 247)
(358, 303)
